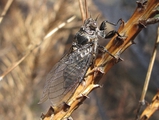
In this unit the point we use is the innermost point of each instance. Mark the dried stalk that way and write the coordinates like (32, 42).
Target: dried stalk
(82, 10)
(13, 66)
(32, 47)
(142, 99)
(117, 45)
(147, 79)
(151, 108)
(86, 8)
(7, 6)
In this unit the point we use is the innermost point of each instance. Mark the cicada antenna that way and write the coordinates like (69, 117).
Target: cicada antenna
(90, 16)
(97, 17)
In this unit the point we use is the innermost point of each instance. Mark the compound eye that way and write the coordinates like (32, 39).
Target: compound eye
(93, 25)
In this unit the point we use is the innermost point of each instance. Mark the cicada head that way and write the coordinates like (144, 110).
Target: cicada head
(87, 33)
(90, 24)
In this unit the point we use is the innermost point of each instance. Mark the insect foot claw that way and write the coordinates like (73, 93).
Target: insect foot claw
(96, 69)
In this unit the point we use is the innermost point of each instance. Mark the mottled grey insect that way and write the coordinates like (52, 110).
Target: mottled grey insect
(68, 73)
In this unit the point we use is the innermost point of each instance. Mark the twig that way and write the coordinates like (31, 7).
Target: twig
(13, 66)
(34, 47)
(5, 10)
(82, 10)
(86, 8)
(151, 108)
(59, 27)
(148, 75)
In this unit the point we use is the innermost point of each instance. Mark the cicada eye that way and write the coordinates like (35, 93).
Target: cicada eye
(93, 25)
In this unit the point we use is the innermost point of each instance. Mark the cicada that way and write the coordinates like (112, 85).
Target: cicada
(69, 72)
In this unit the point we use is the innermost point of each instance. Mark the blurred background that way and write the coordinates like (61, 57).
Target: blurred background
(25, 25)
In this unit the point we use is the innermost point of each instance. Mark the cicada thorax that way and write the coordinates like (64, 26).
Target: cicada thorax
(88, 35)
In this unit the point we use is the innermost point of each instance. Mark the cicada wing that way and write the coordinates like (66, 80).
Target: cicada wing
(65, 76)
(49, 79)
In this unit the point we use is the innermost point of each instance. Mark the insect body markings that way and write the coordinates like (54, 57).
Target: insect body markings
(68, 73)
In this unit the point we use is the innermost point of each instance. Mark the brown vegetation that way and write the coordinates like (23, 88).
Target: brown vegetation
(26, 55)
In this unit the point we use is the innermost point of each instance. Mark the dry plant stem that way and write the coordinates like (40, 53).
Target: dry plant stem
(32, 47)
(116, 46)
(58, 27)
(151, 108)
(13, 66)
(82, 10)
(147, 79)
(86, 9)
(142, 99)
(5, 10)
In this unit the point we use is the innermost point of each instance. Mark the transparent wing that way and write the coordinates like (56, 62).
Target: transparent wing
(65, 76)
